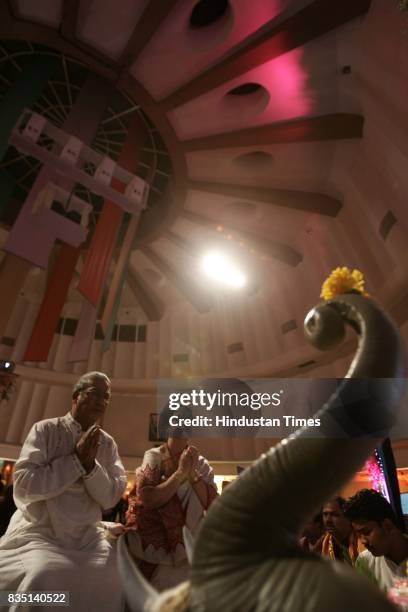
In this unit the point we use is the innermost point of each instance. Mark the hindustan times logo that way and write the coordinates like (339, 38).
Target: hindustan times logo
(208, 401)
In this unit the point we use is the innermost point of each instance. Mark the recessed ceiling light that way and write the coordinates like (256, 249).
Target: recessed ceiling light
(221, 269)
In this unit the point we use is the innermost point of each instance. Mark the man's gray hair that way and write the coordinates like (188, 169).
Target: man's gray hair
(86, 381)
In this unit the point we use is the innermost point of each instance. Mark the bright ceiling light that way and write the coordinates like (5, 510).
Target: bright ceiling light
(221, 269)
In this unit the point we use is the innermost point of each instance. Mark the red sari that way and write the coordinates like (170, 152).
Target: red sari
(161, 529)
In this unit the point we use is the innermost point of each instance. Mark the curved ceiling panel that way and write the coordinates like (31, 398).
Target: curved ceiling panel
(181, 57)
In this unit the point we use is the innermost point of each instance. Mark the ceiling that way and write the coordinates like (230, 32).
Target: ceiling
(272, 129)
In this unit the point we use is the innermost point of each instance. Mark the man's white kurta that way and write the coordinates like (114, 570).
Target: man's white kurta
(55, 540)
(380, 570)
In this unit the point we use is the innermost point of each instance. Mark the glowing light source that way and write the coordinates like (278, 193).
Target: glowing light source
(376, 474)
(221, 269)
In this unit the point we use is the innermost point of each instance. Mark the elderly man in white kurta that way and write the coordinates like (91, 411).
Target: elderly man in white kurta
(68, 471)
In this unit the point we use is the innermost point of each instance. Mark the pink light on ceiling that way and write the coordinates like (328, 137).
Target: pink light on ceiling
(287, 82)
(285, 79)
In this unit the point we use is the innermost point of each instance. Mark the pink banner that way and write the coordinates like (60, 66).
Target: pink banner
(34, 233)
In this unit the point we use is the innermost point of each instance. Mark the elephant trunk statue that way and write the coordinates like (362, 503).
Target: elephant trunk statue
(246, 556)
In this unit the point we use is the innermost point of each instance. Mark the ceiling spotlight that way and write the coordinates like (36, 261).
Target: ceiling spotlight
(221, 269)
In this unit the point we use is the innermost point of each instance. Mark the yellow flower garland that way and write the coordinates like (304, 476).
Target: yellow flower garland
(342, 280)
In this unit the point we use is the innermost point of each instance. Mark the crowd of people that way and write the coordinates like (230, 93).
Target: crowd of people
(363, 532)
(69, 476)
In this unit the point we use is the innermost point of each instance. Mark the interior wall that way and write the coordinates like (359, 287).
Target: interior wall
(127, 417)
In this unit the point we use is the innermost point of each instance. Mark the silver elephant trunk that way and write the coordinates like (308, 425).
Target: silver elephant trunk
(246, 556)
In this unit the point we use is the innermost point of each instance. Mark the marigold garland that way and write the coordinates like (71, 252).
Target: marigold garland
(342, 280)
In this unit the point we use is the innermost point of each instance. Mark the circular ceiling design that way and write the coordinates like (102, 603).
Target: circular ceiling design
(56, 102)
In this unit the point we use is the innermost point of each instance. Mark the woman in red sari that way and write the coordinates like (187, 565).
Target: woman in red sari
(173, 488)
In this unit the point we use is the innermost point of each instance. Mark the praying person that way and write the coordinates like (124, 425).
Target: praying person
(386, 554)
(68, 472)
(173, 488)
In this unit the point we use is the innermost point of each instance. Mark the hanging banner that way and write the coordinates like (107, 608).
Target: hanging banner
(50, 310)
(97, 262)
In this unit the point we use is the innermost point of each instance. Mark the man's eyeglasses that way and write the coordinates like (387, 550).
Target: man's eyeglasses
(93, 393)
